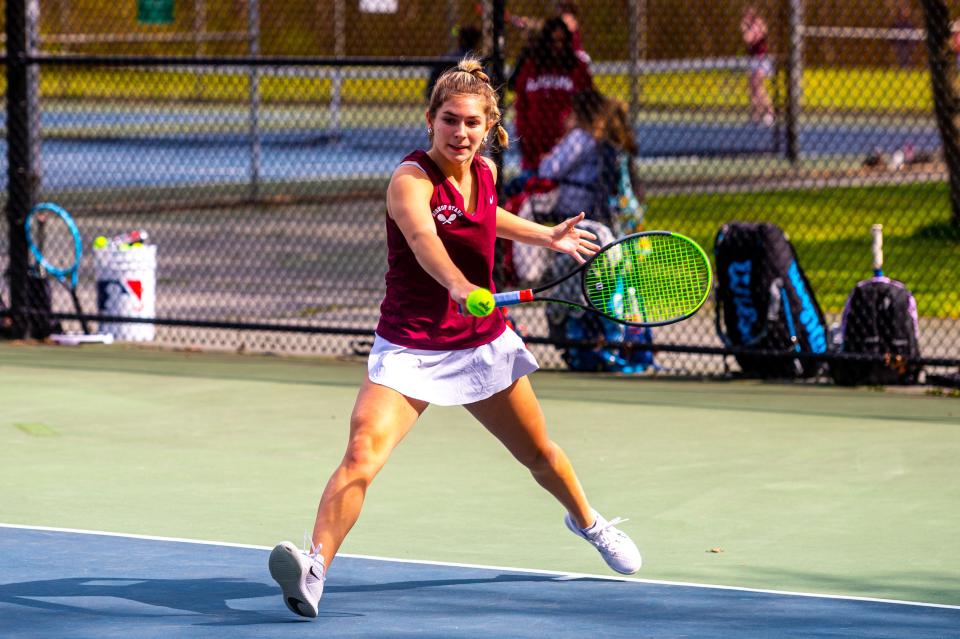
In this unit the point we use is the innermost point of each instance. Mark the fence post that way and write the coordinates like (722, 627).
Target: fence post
(499, 81)
(497, 68)
(336, 79)
(33, 92)
(20, 160)
(794, 80)
(253, 35)
(943, 75)
(637, 43)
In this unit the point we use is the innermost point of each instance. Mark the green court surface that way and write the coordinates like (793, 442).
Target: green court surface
(787, 487)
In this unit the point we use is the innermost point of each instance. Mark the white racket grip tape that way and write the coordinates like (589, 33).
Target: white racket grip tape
(510, 298)
(877, 231)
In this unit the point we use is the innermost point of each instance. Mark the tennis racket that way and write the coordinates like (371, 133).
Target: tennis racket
(54, 241)
(645, 279)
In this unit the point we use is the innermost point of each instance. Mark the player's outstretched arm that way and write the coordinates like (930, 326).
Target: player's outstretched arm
(565, 237)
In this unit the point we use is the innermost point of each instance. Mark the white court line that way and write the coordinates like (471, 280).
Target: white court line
(561, 575)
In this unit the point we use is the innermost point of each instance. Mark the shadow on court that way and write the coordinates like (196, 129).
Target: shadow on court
(69, 584)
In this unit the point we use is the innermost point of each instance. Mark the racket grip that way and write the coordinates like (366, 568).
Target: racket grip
(513, 297)
(876, 232)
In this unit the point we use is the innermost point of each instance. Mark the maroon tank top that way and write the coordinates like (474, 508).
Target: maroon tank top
(417, 312)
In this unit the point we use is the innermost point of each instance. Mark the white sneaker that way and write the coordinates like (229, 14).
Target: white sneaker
(615, 547)
(300, 575)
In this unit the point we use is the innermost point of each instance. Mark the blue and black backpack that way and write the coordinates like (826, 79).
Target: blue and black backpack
(765, 302)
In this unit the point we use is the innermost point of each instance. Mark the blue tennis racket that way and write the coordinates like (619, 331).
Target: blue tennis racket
(55, 243)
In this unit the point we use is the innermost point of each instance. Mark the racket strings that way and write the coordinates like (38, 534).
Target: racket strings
(649, 279)
(676, 276)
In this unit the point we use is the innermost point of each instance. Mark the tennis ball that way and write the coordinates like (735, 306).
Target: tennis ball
(480, 302)
(100, 242)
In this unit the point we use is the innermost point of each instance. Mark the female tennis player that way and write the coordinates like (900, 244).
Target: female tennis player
(442, 221)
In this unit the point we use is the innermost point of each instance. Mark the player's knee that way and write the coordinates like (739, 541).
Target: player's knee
(542, 458)
(364, 457)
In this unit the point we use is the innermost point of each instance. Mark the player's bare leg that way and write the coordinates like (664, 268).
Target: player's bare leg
(381, 417)
(380, 420)
(514, 417)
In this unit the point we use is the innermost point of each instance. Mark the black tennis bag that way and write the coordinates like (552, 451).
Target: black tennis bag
(879, 318)
(765, 302)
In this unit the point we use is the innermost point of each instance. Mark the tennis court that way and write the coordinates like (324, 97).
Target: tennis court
(143, 486)
(762, 509)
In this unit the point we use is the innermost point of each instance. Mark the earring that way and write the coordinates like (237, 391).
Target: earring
(429, 130)
(485, 140)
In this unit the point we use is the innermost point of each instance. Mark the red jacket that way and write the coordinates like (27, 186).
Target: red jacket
(542, 104)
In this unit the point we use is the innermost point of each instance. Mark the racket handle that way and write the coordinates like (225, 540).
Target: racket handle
(877, 231)
(513, 297)
(505, 299)
(76, 305)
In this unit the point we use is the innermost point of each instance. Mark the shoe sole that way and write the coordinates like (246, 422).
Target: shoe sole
(288, 573)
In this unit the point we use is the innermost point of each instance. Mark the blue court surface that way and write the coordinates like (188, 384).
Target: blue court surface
(61, 583)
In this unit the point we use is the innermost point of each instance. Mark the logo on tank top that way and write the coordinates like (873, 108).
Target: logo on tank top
(550, 82)
(447, 213)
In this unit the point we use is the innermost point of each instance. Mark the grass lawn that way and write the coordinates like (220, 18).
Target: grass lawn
(830, 229)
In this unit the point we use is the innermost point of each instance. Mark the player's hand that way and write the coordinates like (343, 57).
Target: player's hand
(460, 291)
(567, 238)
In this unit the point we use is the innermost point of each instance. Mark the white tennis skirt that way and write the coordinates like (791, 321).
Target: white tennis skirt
(450, 378)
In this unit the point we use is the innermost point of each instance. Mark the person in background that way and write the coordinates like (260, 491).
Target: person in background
(566, 10)
(585, 162)
(569, 12)
(955, 40)
(902, 19)
(592, 166)
(441, 222)
(754, 30)
(629, 202)
(545, 84)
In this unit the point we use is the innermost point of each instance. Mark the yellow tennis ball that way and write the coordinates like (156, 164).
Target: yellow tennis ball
(100, 242)
(480, 302)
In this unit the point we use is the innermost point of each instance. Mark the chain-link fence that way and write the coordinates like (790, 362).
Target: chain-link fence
(253, 143)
